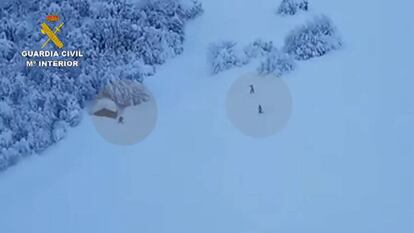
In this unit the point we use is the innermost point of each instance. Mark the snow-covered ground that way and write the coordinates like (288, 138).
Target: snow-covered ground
(343, 163)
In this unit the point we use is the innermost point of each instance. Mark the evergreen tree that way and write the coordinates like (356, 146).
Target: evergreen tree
(225, 55)
(291, 7)
(276, 63)
(258, 48)
(121, 40)
(314, 39)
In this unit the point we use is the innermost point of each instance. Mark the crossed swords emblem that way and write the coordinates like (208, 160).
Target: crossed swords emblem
(46, 30)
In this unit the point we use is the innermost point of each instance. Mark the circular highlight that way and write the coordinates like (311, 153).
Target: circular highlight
(124, 112)
(259, 106)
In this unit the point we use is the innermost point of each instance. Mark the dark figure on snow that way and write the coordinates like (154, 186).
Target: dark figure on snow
(251, 89)
(121, 120)
(260, 109)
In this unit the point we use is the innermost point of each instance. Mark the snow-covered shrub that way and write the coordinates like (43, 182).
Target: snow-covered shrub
(277, 63)
(59, 130)
(10, 155)
(6, 138)
(119, 40)
(314, 39)
(258, 48)
(225, 55)
(6, 111)
(7, 50)
(291, 7)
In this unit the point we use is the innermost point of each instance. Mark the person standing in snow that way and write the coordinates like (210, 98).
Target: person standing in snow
(260, 109)
(121, 120)
(251, 89)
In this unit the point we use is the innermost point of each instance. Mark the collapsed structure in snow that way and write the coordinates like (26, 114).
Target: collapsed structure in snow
(104, 107)
(117, 96)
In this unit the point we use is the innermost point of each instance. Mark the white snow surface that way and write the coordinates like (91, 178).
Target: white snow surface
(343, 163)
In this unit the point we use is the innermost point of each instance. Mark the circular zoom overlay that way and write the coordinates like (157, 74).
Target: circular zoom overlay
(124, 112)
(259, 106)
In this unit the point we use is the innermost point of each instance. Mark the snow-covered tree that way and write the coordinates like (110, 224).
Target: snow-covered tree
(316, 38)
(59, 129)
(7, 50)
(225, 55)
(6, 138)
(277, 63)
(120, 40)
(291, 7)
(126, 93)
(258, 48)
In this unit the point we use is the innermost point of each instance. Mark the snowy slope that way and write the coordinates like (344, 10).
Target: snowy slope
(343, 164)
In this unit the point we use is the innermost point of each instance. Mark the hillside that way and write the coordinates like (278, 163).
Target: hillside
(342, 164)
